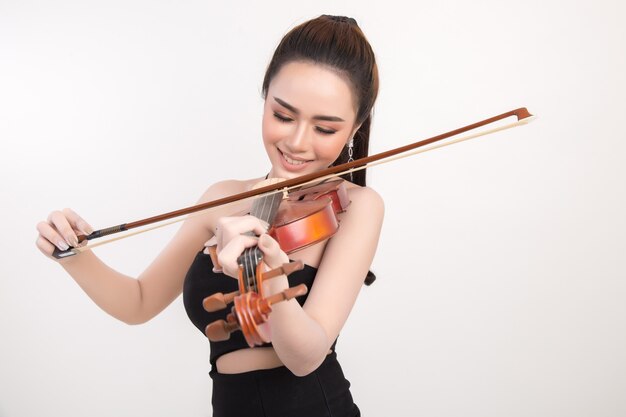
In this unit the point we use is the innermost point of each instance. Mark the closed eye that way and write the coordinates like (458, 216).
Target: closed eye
(282, 118)
(325, 131)
(285, 119)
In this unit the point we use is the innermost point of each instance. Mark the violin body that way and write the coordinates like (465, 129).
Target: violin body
(309, 215)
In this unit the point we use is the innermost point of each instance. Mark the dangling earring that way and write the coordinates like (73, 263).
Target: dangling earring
(350, 153)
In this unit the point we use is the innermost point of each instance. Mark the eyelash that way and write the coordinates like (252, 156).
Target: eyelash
(284, 119)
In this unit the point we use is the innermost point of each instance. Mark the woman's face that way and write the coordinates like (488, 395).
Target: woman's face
(309, 116)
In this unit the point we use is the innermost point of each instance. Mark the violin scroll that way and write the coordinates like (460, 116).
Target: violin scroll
(250, 311)
(220, 301)
(250, 314)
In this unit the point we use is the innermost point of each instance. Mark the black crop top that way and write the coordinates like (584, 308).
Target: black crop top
(201, 282)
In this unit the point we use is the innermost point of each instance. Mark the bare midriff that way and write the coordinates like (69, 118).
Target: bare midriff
(246, 360)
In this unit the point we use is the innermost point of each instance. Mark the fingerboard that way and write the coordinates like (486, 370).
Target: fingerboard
(264, 208)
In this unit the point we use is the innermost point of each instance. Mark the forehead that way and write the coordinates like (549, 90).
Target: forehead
(314, 89)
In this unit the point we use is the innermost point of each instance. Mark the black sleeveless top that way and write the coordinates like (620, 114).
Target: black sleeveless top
(201, 282)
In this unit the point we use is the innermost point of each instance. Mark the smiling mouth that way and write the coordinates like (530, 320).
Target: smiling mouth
(293, 161)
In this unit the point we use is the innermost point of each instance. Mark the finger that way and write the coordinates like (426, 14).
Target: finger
(62, 225)
(273, 255)
(229, 254)
(77, 222)
(229, 227)
(52, 236)
(44, 245)
(210, 242)
(247, 217)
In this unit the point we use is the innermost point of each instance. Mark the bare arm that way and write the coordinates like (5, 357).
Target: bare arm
(301, 336)
(128, 299)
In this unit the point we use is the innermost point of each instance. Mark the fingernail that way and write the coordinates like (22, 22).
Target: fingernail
(88, 230)
(62, 245)
(74, 240)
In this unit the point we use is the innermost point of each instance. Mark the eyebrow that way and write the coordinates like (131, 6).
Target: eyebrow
(316, 117)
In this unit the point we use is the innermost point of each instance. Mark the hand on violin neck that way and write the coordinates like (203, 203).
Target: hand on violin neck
(228, 228)
(273, 255)
(232, 235)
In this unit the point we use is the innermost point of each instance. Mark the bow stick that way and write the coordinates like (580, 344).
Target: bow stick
(522, 115)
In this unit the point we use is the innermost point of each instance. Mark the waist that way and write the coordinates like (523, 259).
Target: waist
(248, 360)
(278, 392)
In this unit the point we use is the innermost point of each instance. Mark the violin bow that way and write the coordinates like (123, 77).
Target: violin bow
(522, 115)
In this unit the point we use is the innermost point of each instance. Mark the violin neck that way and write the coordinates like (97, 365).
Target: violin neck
(264, 208)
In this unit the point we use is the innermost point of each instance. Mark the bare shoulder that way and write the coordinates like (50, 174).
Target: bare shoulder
(223, 189)
(365, 201)
(366, 194)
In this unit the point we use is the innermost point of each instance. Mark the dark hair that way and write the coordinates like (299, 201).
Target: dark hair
(338, 42)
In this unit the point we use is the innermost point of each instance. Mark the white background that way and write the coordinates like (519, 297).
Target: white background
(501, 282)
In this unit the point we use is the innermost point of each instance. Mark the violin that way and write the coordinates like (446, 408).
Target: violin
(297, 220)
(251, 307)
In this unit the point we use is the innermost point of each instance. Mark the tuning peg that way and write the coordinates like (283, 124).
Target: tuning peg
(218, 301)
(220, 330)
(288, 294)
(285, 269)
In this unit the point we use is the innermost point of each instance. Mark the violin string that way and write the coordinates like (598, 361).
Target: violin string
(247, 253)
(246, 262)
(258, 213)
(315, 181)
(248, 271)
(258, 205)
(250, 254)
(264, 215)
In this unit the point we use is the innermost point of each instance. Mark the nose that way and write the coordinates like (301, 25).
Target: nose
(298, 140)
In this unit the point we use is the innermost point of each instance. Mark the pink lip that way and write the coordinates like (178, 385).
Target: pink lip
(291, 167)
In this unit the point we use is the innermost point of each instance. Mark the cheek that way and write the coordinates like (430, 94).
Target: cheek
(269, 133)
(273, 130)
(265, 131)
(329, 149)
(267, 123)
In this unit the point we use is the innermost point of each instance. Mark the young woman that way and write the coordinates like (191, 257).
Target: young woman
(319, 90)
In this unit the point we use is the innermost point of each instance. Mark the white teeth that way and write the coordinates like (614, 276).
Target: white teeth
(292, 161)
